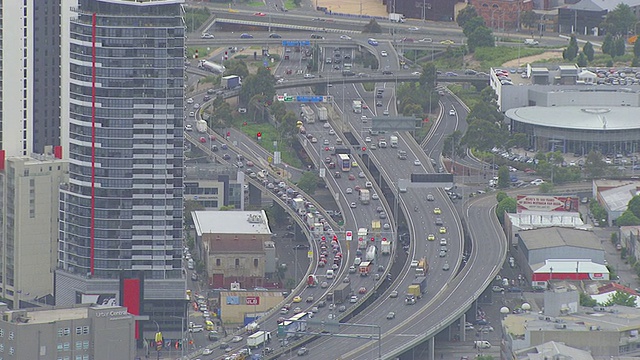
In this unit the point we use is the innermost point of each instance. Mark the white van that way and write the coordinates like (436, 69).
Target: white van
(481, 344)
(329, 274)
(190, 264)
(531, 42)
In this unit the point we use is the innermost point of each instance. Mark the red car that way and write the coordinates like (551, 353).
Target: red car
(364, 106)
(203, 140)
(362, 290)
(260, 14)
(352, 177)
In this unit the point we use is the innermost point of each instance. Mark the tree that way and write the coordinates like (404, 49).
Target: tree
(504, 180)
(594, 166)
(619, 20)
(528, 18)
(288, 125)
(480, 37)
(621, 298)
(189, 206)
(634, 205)
(607, 45)
(619, 47)
(582, 60)
(627, 219)
(588, 301)
(488, 95)
(635, 62)
(429, 77)
(508, 205)
(571, 51)
(412, 110)
(261, 83)
(372, 27)
(236, 67)
(545, 188)
(472, 24)
(588, 51)
(276, 214)
(465, 15)
(501, 195)
(308, 182)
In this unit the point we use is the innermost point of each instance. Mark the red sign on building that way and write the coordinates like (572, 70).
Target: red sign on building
(252, 300)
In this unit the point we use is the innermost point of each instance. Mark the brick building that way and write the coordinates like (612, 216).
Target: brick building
(501, 14)
(235, 246)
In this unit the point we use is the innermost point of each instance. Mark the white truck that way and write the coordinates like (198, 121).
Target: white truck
(357, 106)
(386, 247)
(395, 17)
(393, 140)
(365, 196)
(323, 114)
(308, 115)
(201, 126)
(258, 338)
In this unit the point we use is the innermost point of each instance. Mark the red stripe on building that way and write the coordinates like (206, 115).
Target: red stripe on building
(93, 141)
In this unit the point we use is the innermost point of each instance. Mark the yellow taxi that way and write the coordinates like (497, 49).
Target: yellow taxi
(443, 230)
(431, 237)
(297, 299)
(437, 211)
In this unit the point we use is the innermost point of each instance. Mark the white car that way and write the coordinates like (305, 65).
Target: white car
(537, 182)
(349, 191)
(413, 28)
(452, 112)
(192, 114)
(353, 205)
(375, 196)
(414, 263)
(367, 139)
(416, 162)
(383, 53)
(345, 37)
(188, 127)
(416, 73)
(196, 106)
(443, 242)
(190, 101)
(207, 351)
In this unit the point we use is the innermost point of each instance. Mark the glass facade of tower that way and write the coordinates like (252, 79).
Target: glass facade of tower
(122, 208)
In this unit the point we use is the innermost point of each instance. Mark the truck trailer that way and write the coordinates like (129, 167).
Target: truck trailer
(365, 196)
(231, 81)
(357, 106)
(258, 338)
(323, 114)
(341, 293)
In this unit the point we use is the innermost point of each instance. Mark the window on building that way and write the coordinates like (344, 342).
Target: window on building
(85, 330)
(85, 344)
(78, 345)
(11, 335)
(79, 330)
(60, 346)
(218, 262)
(255, 262)
(237, 262)
(66, 346)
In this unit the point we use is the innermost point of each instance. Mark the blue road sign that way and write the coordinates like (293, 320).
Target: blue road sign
(296, 42)
(306, 98)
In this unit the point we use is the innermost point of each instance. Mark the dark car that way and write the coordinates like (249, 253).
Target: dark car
(246, 36)
(515, 289)
(226, 157)
(387, 72)
(275, 36)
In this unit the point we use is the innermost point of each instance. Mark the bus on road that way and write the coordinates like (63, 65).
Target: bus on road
(344, 161)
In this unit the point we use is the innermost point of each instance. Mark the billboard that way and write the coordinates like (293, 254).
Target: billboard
(547, 203)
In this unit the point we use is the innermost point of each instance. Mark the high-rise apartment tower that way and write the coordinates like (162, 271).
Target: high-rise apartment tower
(122, 211)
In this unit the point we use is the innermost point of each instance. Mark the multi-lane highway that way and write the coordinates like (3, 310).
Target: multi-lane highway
(449, 292)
